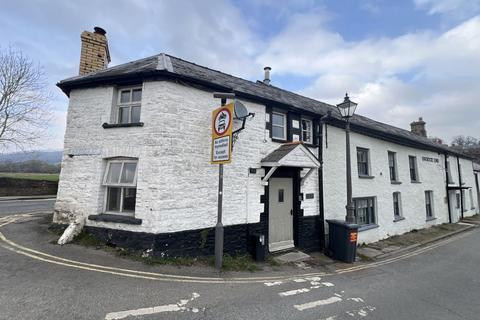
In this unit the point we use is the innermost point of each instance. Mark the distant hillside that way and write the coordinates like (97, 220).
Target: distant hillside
(51, 157)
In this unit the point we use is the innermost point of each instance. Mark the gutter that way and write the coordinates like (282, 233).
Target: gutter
(321, 206)
(447, 190)
(460, 185)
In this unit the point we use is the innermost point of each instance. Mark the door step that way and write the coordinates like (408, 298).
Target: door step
(293, 256)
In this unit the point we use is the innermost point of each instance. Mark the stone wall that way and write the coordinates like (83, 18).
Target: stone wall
(26, 187)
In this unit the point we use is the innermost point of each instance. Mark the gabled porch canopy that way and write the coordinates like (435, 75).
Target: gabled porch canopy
(293, 154)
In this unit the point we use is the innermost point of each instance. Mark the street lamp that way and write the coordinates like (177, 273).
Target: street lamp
(347, 109)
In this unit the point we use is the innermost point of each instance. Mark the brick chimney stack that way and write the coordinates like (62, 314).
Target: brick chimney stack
(95, 54)
(418, 127)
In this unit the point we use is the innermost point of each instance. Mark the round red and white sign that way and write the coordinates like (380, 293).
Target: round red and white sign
(222, 122)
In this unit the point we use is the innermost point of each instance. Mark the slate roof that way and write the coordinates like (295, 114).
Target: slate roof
(279, 153)
(170, 66)
(476, 166)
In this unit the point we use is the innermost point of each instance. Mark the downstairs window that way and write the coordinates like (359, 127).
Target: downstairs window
(121, 182)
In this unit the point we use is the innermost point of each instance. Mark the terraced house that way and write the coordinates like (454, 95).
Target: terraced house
(136, 164)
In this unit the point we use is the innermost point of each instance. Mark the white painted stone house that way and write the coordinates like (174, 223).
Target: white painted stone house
(136, 164)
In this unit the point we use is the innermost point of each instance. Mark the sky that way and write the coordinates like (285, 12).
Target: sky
(398, 59)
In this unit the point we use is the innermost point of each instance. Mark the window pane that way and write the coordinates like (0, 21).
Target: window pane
(125, 96)
(129, 199)
(280, 195)
(278, 119)
(123, 115)
(307, 131)
(278, 132)
(137, 95)
(113, 199)
(135, 114)
(128, 173)
(114, 172)
(364, 211)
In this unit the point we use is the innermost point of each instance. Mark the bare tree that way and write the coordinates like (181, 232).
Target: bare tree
(468, 145)
(24, 110)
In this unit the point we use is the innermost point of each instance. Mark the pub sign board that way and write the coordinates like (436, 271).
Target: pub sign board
(222, 122)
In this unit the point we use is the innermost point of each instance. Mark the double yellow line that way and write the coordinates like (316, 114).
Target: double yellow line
(48, 258)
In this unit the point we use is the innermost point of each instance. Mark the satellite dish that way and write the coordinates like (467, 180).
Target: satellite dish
(240, 110)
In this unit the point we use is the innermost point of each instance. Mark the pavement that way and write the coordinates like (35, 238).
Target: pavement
(40, 280)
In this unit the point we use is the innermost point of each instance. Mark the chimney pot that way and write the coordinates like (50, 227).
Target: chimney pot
(100, 30)
(266, 78)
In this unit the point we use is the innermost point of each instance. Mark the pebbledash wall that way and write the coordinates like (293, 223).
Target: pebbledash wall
(431, 176)
(176, 184)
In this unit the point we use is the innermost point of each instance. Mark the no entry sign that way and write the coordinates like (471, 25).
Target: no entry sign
(222, 122)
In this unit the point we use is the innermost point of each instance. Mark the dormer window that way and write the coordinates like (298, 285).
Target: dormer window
(129, 105)
(307, 131)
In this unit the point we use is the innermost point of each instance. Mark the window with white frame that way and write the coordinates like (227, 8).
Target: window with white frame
(472, 204)
(279, 126)
(365, 210)
(307, 131)
(363, 162)
(464, 200)
(120, 181)
(392, 166)
(429, 204)
(449, 173)
(457, 200)
(129, 105)
(397, 205)
(412, 162)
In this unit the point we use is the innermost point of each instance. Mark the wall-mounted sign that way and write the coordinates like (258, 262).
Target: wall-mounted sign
(428, 159)
(222, 122)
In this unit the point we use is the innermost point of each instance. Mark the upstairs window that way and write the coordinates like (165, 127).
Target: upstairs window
(392, 165)
(429, 204)
(364, 210)
(307, 131)
(412, 162)
(397, 206)
(449, 173)
(363, 162)
(129, 105)
(121, 182)
(279, 126)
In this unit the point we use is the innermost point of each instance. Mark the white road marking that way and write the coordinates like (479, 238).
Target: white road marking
(180, 306)
(293, 292)
(299, 280)
(362, 312)
(304, 290)
(317, 303)
(356, 299)
(275, 283)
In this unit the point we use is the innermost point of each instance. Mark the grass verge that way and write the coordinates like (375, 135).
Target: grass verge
(230, 263)
(31, 176)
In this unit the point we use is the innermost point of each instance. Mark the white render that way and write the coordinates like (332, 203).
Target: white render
(177, 185)
(431, 175)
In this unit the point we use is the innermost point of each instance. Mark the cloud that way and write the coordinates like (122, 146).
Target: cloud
(394, 80)
(458, 8)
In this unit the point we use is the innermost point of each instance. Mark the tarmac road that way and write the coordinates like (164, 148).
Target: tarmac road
(442, 283)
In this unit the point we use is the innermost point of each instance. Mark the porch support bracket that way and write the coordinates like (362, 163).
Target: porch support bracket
(268, 175)
(302, 181)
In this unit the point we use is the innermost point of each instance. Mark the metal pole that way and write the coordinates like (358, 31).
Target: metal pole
(350, 218)
(219, 226)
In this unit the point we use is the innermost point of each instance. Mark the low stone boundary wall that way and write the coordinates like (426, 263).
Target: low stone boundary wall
(26, 187)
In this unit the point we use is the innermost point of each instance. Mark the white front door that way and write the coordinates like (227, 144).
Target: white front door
(280, 217)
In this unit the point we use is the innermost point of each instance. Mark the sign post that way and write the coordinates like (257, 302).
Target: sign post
(222, 123)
